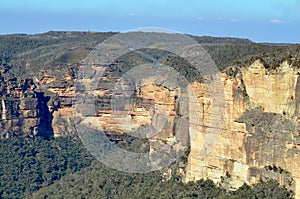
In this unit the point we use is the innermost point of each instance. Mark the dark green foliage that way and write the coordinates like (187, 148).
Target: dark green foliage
(28, 164)
(220, 40)
(273, 56)
(11, 45)
(184, 68)
(150, 56)
(271, 189)
(47, 51)
(225, 54)
(262, 190)
(129, 143)
(58, 51)
(99, 181)
(37, 168)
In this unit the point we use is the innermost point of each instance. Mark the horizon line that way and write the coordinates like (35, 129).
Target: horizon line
(133, 30)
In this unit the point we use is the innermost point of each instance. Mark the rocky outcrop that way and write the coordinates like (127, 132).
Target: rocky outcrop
(60, 89)
(39, 106)
(259, 138)
(148, 108)
(19, 107)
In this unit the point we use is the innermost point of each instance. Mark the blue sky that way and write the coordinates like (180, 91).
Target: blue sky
(258, 20)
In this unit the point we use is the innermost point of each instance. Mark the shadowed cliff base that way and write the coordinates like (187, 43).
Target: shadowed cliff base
(45, 129)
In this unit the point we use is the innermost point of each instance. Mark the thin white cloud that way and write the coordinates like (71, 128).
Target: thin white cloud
(228, 20)
(132, 14)
(278, 21)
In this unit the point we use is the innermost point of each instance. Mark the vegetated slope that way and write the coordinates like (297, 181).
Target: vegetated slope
(273, 57)
(99, 181)
(28, 164)
(62, 168)
(28, 54)
(55, 53)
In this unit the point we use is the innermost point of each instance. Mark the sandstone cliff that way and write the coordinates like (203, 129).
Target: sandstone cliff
(23, 110)
(260, 136)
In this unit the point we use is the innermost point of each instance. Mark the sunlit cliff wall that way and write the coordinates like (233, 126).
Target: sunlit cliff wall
(259, 138)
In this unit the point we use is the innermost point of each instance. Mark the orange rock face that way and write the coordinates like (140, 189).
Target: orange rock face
(259, 138)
